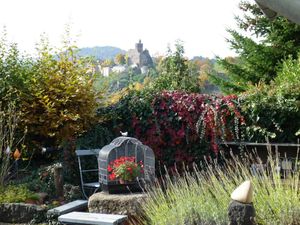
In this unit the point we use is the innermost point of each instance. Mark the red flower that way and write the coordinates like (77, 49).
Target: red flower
(125, 168)
(112, 176)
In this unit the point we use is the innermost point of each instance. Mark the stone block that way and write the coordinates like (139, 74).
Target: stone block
(122, 204)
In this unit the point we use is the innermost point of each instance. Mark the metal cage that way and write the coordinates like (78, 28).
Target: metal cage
(129, 147)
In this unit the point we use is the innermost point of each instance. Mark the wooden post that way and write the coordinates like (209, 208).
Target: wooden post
(59, 181)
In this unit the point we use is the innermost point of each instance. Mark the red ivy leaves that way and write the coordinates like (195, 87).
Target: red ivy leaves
(179, 118)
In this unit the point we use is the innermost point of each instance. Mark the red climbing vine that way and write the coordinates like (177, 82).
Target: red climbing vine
(185, 126)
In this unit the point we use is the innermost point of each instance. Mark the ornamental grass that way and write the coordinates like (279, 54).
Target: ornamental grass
(202, 196)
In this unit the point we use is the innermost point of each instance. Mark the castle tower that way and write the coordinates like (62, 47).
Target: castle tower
(139, 46)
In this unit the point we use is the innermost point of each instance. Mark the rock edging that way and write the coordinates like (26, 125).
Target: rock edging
(21, 212)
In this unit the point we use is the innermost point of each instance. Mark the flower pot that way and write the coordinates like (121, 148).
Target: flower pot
(127, 187)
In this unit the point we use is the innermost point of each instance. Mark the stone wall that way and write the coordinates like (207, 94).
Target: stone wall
(21, 213)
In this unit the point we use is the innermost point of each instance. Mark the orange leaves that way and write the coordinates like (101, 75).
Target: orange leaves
(17, 154)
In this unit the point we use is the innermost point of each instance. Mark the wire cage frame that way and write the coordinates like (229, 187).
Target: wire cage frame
(128, 147)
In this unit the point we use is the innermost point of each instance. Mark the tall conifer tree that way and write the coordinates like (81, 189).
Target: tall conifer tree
(261, 46)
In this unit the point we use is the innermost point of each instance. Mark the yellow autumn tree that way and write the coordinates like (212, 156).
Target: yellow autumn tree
(61, 101)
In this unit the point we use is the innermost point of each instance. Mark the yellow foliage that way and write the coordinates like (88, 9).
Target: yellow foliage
(116, 96)
(61, 101)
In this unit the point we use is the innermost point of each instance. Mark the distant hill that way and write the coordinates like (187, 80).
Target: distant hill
(201, 58)
(101, 53)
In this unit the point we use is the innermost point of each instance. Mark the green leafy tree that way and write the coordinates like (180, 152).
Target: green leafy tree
(14, 71)
(176, 73)
(258, 58)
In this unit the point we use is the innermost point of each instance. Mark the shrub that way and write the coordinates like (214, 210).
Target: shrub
(183, 127)
(203, 196)
(61, 101)
(9, 119)
(55, 95)
(177, 125)
(274, 110)
(54, 92)
(15, 194)
(15, 69)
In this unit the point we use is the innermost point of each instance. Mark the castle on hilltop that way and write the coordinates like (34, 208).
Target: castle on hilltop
(139, 56)
(138, 59)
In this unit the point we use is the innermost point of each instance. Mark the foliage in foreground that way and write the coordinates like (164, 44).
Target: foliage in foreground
(15, 194)
(203, 196)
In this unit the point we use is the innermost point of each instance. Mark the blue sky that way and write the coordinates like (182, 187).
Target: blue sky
(201, 25)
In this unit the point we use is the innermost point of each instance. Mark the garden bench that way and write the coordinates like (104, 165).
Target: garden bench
(92, 218)
(69, 207)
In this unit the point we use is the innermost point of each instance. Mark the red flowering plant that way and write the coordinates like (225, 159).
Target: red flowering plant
(125, 169)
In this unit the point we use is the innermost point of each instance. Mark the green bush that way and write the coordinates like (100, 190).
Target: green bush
(274, 110)
(16, 193)
(203, 196)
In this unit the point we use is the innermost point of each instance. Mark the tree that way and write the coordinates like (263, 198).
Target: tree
(120, 59)
(176, 73)
(61, 101)
(53, 94)
(14, 71)
(261, 57)
(61, 98)
(107, 62)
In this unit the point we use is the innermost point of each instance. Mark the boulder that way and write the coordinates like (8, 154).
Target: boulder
(122, 204)
(241, 213)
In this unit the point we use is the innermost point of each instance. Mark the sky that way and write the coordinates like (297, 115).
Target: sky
(199, 24)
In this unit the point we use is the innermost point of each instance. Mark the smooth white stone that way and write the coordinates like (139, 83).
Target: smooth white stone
(243, 193)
